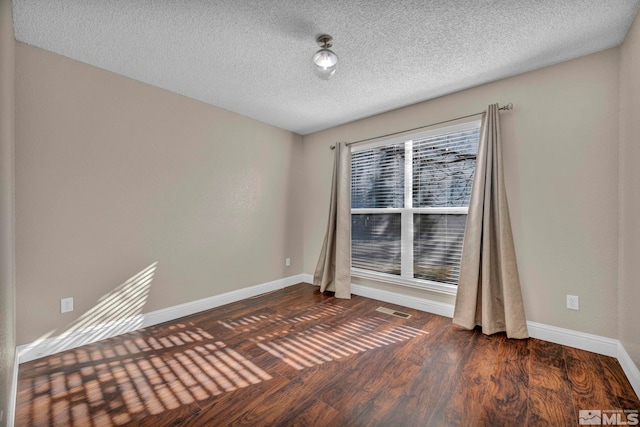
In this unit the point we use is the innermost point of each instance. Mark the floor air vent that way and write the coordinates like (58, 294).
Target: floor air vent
(393, 312)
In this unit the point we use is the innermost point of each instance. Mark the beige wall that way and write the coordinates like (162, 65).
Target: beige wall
(630, 192)
(7, 206)
(561, 167)
(113, 175)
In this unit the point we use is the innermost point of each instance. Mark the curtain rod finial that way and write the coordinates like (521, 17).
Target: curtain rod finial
(332, 147)
(508, 107)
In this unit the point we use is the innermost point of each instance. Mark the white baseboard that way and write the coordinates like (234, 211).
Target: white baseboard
(186, 309)
(629, 368)
(568, 337)
(422, 304)
(581, 340)
(49, 346)
(66, 341)
(575, 339)
(13, 393)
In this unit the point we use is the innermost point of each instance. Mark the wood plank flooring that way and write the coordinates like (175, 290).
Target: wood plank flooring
(299, 357)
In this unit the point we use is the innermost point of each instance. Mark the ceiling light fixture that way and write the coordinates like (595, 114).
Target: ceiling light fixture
(325, 61)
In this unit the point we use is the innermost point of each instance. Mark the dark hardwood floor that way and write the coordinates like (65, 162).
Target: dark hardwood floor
(299, 357)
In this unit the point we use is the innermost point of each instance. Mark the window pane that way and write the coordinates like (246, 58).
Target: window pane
(443, 169)
(375, 242)
(437, 247)
(377, 177)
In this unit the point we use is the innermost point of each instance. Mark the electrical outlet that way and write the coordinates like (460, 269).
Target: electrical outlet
(287, 262)
(66, 305)
(573, 302)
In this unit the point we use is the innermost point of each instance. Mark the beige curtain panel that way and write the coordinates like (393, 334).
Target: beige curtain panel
(489, 292)
(333, 272)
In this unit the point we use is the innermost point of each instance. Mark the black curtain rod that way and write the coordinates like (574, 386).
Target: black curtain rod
(507, 107)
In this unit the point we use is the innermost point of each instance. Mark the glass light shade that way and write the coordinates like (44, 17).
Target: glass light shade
(325, 63)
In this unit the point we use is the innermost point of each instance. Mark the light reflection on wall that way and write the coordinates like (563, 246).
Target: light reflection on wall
(116, 313)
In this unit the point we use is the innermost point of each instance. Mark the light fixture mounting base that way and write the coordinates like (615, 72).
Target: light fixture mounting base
(325, 41)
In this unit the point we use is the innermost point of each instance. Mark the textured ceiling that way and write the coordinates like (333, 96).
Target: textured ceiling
(254, 57)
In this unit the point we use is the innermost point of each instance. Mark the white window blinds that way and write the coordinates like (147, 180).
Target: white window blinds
(409, 203)
(377, 177)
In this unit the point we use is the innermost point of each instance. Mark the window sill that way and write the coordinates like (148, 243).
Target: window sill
(424, 285)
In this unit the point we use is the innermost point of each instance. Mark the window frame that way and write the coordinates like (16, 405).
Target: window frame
(407, 212)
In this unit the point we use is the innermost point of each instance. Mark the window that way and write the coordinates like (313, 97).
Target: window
(409, 203)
